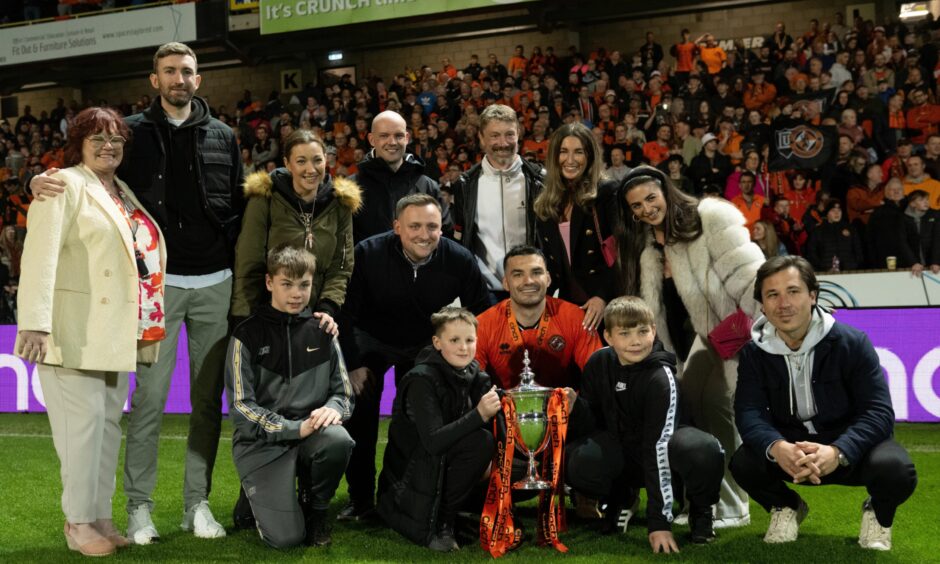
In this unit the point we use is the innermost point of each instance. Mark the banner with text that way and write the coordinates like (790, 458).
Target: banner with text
(280, 16)
(20, 390)
(904, 338)
(107, 33)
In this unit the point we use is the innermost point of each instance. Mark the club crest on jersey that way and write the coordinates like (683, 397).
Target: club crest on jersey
(557, 343)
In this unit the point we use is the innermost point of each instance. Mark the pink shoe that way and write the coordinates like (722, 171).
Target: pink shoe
(97, 547)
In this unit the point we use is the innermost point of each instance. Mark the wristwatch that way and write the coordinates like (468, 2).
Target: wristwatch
(843, 461)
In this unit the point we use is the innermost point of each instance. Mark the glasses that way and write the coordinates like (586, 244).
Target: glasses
(99, 141)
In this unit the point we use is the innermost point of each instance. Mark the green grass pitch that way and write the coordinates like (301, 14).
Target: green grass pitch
(31, 520)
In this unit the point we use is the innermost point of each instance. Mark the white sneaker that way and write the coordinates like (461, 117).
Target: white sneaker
(872, 535)
(682, 519)
(785, 523)
(200, 521)
(140, 528)
(730, 522)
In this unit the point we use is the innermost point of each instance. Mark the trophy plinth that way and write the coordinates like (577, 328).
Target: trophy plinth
(530, 429)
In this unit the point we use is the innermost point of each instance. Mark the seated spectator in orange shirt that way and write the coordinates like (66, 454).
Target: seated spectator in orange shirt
(896, 164)
(747, 202)
(658, 150)
(54, 157)
(729, 141)
(345, 155)
(862, 200)
(759, 95)
(448, 68)
(801, 193)
(549, 329)
(917, 179)
(517, 62)
(923, 117)
(537, 143)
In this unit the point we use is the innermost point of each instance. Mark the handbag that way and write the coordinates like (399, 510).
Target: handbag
(730, 336)
(608, 245)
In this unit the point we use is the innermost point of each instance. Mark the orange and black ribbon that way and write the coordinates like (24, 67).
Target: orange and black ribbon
(498, 533)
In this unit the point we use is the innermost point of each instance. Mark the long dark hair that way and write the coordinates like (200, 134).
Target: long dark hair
(555, 195)
(682, 223)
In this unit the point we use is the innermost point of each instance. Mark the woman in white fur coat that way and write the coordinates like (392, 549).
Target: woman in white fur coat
(692, 259)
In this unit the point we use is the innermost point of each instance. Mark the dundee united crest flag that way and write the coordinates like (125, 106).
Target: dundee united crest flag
(803, 146)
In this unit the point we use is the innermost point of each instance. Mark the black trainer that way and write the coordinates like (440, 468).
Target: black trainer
(319, 532)
(354, 511)
(444, 540)
(242, 515)
(700, 526)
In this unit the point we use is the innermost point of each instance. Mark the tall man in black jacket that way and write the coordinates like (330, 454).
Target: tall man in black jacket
(493, 200)
(812, 405)
(184, 166)
(388, 174)
(399, 279)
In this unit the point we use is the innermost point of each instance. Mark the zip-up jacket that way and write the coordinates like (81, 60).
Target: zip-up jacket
(392, 299)
(382, 187)
(854, 411)
(465, 204)
(434, 408)
(638, 404)
(192, 186)
(279, 368)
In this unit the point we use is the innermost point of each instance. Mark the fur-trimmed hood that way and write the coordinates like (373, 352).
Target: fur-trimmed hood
(347, 192)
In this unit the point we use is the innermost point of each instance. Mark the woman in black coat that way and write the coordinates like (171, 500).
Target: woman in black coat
(576, 213)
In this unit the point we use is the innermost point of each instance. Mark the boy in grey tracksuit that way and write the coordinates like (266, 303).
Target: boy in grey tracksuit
(289, 394)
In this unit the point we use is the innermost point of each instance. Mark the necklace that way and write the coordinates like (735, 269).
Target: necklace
(307, 220)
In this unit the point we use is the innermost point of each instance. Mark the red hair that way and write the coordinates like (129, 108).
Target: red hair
(89, 122)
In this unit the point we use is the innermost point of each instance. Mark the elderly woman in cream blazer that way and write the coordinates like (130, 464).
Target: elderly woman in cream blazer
(90, 308)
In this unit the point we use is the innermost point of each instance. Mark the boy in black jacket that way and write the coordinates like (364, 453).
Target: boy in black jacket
(439, 445)
(289, 394)
(629, 389)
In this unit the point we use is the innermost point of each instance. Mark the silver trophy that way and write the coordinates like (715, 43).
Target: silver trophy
(531, 401)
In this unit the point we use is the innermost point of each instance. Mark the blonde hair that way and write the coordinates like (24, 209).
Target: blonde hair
(627, 312)
(771, 243)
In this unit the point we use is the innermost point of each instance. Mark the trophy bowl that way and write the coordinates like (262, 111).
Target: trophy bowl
(531, 425)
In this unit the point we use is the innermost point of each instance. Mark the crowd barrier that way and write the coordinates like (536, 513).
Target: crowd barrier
(893, 308)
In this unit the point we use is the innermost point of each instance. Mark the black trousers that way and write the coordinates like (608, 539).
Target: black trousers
(598, 466)
(463, 471)
(886, 471)
(363, 426)
(272, 489)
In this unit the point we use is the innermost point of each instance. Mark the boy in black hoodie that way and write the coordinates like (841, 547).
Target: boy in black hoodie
(289, 394)
(630, 391)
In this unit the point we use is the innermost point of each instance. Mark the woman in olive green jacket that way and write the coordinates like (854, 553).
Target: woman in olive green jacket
(302, 205)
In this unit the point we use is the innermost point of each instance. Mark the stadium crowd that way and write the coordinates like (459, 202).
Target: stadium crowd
(704, 115)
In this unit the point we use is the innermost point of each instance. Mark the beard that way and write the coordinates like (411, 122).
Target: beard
(177, 98)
